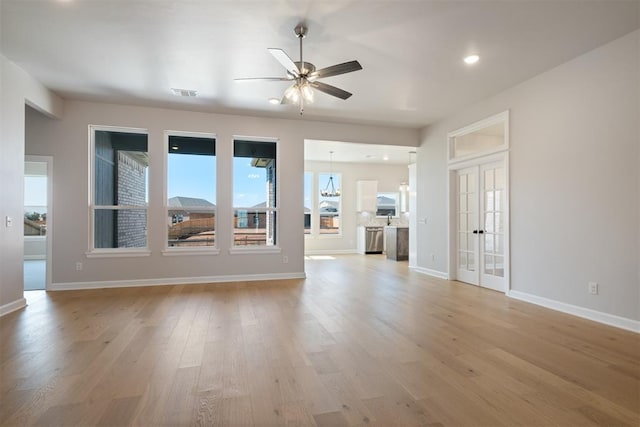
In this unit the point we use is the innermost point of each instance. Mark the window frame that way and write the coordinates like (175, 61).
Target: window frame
(92, 251)
(188, 250)
(255, 249)
(312, 208)
(397, 204)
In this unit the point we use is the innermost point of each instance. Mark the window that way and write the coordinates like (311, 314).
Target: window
(254, 193)
(308, 201)
(329, 207)
(35, 199)
(191, 190)
(119, 195)
(387, 204)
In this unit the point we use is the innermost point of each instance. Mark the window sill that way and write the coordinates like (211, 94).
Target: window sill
(118, 253)
(254, 251)
(190, 251)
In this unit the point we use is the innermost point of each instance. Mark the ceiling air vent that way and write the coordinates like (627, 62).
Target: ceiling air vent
(184, 92)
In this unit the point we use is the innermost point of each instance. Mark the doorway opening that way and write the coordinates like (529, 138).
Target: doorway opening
(37, 222)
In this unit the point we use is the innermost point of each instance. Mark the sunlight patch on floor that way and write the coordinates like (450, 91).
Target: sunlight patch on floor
(319, 257)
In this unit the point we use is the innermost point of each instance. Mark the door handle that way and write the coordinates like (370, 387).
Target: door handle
(475, 231)
(481, 231)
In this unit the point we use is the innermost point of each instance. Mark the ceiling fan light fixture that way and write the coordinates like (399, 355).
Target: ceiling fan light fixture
(307, 92)
(292, 93)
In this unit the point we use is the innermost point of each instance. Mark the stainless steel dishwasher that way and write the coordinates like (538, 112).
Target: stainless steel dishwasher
(374, 240)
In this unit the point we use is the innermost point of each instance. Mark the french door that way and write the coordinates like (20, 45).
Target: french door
(480, 207)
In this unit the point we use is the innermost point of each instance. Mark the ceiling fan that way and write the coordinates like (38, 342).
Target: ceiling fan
(305, 76)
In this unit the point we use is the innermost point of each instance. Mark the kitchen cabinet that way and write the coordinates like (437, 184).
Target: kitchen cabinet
(367, 196)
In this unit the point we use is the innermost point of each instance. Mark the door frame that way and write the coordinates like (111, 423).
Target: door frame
(49, 246)
(477, 160)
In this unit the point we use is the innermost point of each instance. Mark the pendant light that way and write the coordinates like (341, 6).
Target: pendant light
(330, 190)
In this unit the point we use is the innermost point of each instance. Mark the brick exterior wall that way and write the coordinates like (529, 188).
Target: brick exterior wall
(132, 224)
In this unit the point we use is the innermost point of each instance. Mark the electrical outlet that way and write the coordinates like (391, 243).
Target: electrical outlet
(593, 288)
(285, 259)
(78, 266)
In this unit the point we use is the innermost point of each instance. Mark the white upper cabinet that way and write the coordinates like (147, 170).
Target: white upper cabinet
(366, 193)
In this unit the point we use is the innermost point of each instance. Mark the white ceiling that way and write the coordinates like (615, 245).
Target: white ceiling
(133, 52)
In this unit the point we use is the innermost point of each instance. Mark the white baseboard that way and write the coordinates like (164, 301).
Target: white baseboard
(331, 252)
(13, 306)
(173, 281)
(587, 313)
(429, 272)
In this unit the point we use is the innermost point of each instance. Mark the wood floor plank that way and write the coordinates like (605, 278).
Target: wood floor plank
(361, 341)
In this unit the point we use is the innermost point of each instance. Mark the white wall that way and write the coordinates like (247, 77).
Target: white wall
(17, 88)
(575, 185)
(67, 142)
(389, 178)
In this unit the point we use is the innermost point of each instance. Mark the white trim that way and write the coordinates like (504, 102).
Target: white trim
(331, 252)
(91, 190)
(190, 251)
(479, 125)
(175, 281)
(117, 253)
(586, 313)
(275, 210)
(12, 306)
(429, 272)
(501, 154)
(50, 218)
(254, 250)
(165, 189)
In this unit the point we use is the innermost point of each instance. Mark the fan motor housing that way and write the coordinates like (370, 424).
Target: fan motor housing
(306, 68)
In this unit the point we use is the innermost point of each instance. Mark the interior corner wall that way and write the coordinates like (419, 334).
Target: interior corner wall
(574, 181)
(17, 88)
(67, 141)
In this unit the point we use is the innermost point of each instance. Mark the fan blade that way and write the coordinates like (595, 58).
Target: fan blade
(335, 70)
(270, 79)
(284, 59)
(331, 90)
(285, 101)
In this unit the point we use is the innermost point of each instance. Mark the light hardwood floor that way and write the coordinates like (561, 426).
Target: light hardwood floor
(361, 341)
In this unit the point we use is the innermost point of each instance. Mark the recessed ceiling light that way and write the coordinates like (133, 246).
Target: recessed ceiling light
(174, 147)
(274, 101)
(184, 92)
(385, 157)
(471, 59)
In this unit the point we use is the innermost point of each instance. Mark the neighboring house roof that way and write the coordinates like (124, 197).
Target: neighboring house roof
(328, 206)
(187, 202)
(386, 201)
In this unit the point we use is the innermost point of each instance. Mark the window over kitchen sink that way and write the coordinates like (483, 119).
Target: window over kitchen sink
(387, 204)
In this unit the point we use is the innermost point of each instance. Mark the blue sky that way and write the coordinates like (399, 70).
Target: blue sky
(195, 176)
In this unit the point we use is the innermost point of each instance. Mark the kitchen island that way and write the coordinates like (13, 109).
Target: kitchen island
(397, 242)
